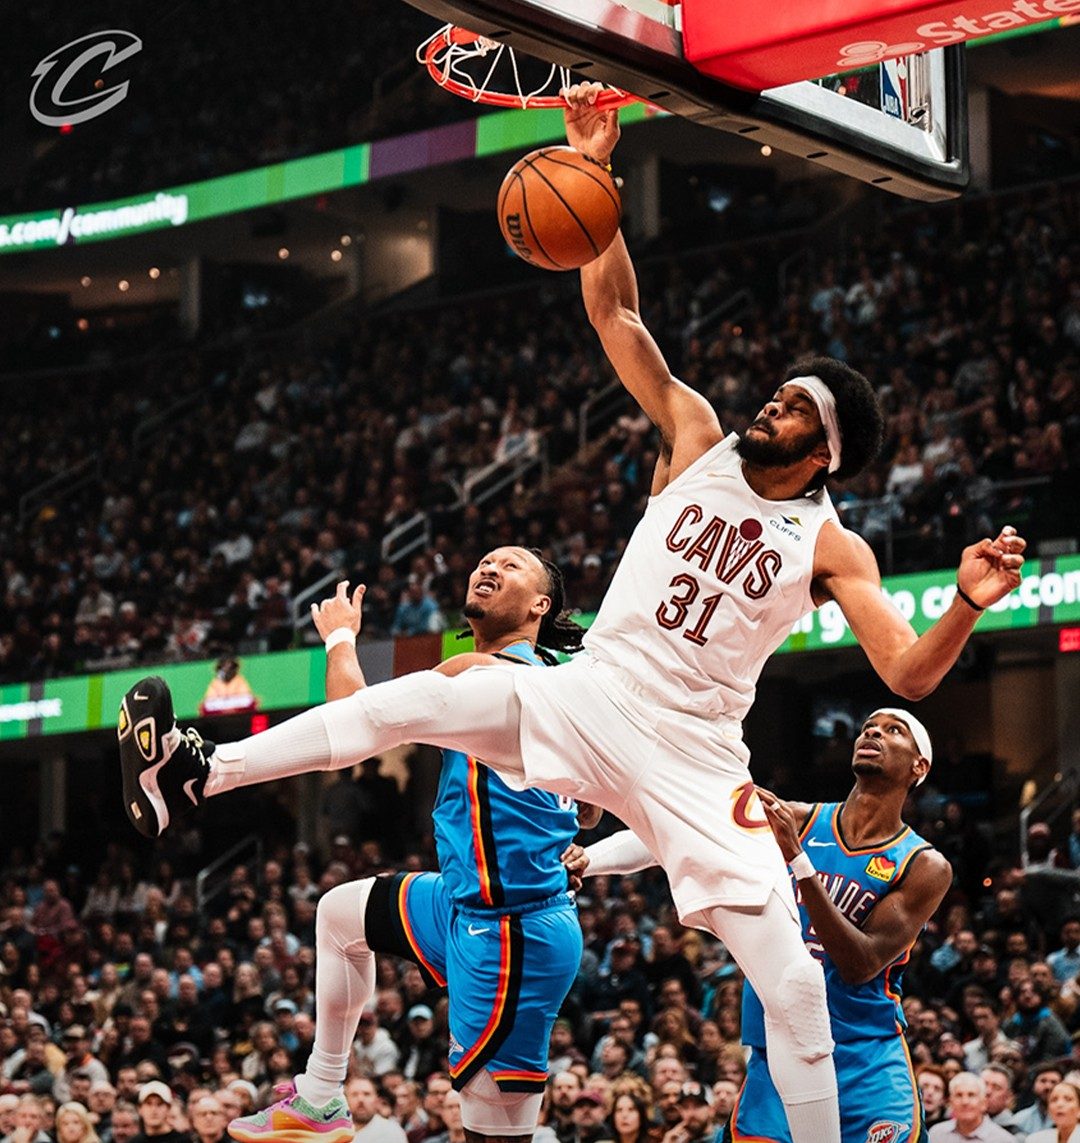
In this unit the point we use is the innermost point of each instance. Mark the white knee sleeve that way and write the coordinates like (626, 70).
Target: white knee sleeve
(488, 1111)
(339, 917)
(803, 1022)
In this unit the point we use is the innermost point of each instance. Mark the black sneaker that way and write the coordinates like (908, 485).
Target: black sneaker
(165, 769)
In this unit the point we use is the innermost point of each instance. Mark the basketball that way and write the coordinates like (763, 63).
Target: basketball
(558, 209)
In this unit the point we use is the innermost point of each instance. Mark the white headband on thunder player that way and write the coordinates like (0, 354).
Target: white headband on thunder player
(918, 732)
(822, 396)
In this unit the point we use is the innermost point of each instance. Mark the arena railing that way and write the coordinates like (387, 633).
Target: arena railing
(213, 879)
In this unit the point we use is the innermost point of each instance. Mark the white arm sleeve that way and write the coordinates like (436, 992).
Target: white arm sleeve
(622, 852)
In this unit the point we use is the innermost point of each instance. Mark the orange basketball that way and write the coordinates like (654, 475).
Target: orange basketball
(557, 209)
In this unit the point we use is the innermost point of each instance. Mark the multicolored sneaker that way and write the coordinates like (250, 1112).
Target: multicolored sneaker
(294, 1120)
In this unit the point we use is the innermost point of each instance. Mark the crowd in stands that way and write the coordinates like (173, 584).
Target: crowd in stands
(281, 467)
(130, 1008)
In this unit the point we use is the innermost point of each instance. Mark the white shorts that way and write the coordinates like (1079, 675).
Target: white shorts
(681, 783)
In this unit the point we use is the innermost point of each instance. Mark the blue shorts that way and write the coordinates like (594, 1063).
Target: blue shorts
(879, 1098)
(508, 971)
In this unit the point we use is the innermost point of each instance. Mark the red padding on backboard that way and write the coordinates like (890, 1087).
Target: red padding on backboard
(760, 45)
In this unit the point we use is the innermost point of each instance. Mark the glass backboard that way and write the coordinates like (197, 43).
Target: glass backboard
(901, 125)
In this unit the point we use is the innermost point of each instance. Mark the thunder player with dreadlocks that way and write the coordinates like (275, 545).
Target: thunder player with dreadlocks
(496, 924)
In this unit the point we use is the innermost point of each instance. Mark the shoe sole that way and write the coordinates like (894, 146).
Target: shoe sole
(292, 1135)
(146, 715)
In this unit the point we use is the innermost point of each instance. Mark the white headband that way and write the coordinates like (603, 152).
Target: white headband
(918, 732)
(823, 399)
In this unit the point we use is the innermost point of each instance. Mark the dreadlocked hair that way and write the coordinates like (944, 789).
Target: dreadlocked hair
(558, 632)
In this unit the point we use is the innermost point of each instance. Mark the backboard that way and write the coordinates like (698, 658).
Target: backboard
(900, 125)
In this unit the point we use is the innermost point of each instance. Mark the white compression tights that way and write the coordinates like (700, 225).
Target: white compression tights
(477, 712)
(344, 983)
(768, 946)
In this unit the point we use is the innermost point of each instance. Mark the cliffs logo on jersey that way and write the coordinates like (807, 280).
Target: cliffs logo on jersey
(726, 550)
(885, 1131)
(880, 867)
(787, 526)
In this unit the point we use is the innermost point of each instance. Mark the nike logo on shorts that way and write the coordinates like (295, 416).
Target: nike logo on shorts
(476, 932)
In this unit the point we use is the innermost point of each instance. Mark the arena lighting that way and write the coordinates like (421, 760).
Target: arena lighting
(346, 240)
(85, 281)
(154, 273)
(1069, 639)
(335, 255)
(83, 324)
(283, 253)
(766, 150)
(123, 285)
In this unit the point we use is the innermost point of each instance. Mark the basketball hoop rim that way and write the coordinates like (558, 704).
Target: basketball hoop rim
(433, 55)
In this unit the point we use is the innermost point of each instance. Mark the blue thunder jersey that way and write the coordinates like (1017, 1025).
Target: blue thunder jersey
(496, 846)
(856, 880)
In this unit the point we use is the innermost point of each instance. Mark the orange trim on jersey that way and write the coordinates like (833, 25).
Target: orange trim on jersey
(875, 848)
(736, 1135)
(482, 871)
(501, 994)
(907, 861)
(410, 936)
(541, 1077)
(810, 819)
(916, 1102)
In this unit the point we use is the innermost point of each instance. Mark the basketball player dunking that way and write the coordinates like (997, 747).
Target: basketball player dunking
(866, 885)
(738, 542)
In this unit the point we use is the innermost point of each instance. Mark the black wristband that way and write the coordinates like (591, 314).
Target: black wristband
(967, 599)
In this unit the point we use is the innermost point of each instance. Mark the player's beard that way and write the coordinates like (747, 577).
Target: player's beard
(768, 452)
(474, 611)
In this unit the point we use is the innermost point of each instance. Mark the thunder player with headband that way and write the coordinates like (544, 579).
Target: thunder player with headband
(738, 542)
(496, 924)
(866, 884)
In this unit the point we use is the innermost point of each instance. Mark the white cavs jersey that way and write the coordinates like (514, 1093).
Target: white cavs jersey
(711, 583)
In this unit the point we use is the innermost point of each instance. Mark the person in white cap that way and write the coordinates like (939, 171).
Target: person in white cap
(739, 541)
(866, 884)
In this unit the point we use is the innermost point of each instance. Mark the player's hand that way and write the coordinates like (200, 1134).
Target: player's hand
(576, 861)
(782, 822)
(592, 132)
(339, 610)
(990, 569)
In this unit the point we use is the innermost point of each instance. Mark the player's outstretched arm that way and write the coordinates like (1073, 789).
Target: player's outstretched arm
(622, 852)
(686, 420)
(341, 613)
(895, 921)
(912, 666)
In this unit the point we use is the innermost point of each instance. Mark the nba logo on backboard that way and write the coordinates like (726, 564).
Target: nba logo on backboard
(884, 1132)
(894, 88)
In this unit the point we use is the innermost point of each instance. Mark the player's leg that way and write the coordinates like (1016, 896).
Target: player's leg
(344, 982)
(511, 981)
(166, 771)
(768, 946)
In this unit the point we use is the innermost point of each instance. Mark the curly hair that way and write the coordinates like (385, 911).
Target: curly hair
(861, 423)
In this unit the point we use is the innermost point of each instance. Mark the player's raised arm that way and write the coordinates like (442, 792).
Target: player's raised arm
(337, 620)
(687, 422)
(910, 665)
